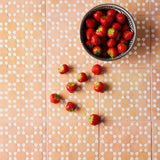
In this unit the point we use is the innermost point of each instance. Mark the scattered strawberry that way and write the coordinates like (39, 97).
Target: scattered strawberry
(89, 44)
(118, 36)
(95, 40)
(112, 33)
(125, 27)
(99, 87)
(106, 20)
(71, 87)
(63, 69)
(112, 52)
(89, 33)
(97, 50)
(54, 98)
(96, 69)
(123, 41)
(121, 47)
(111, 12)
(111, 43)
(116, 26)
(101, 31)
(94, 119)
(97, 15)
(70, 106)
(120, 18)
(90, 23)
(82, 77)
(127, 35)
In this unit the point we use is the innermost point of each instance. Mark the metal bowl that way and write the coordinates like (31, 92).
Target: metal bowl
(105, 7)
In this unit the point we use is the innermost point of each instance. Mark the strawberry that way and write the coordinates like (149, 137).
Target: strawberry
(111, 12)
(103, 40)
(120, 18)
(89, 33)
(97, 50)
(71, 87)
(101, 31)
(106, 20)
(121, 47)
(90, 23)
(127, 35)
(111, 43)
(63, 69)
(94, 119)
(112, 33)
(99, 87)
(123, 41)
(116, 26)
(70, 106)
(54, 98)
(125, 27)
(96, 69)
(118, 36)
(82, 77)
(89, 44)
(95, 40)
(112, 52)
(97, 15)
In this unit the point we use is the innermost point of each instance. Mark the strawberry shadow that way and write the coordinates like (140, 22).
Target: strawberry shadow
(107, 87)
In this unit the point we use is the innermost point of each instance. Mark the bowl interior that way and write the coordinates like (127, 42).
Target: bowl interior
(104, 7)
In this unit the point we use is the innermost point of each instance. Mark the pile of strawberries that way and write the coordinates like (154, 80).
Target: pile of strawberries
(107, 33)
(71, 87)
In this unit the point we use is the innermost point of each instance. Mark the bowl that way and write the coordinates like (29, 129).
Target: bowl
(105, 7)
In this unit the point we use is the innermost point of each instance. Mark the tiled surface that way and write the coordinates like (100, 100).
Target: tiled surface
(36, 37)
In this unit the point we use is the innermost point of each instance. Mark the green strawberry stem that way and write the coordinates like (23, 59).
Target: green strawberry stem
(98, 52)
(79, 76)
(61, 68)
(71, 84)
(90, 119)
(71, 110)
(97, 84)
(111, 31)
(56, 97)
(110, 54)
(99, 29)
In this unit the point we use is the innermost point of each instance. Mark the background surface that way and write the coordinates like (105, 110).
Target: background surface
(36, 36)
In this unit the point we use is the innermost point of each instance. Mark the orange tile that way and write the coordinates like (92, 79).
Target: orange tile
(63, 43)
(22, 95)
(22, 8)
(155, 5)
(85, 97)
(127, 96)
(156, 140)
(23, 140)
(155, 31)
(155, 94)
(72, 140)
(125, 140)
(22, 43)
(139, 56)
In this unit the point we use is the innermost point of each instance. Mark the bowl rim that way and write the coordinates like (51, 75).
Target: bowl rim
(117, 7)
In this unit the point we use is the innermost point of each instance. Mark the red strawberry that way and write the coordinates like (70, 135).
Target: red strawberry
(54, 98)
(121, 47)
(89, 33)
(127, 35)
(97, 15)
(70, 106)
(111, 43)
(71, 87)
(112, 33)
(99, 87)
(63, 69)
(96, 69)
(112, 52)
(111, 12)
(120, 18)
(103, 40)
(118, 36)
(116, 26)
(82, 77)
(101, 31)
(89, 44)
(125, 27)
(95, 40)
(94, 119)
(97, 50)
(106, 20)
(90, 23)
(123, 41)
